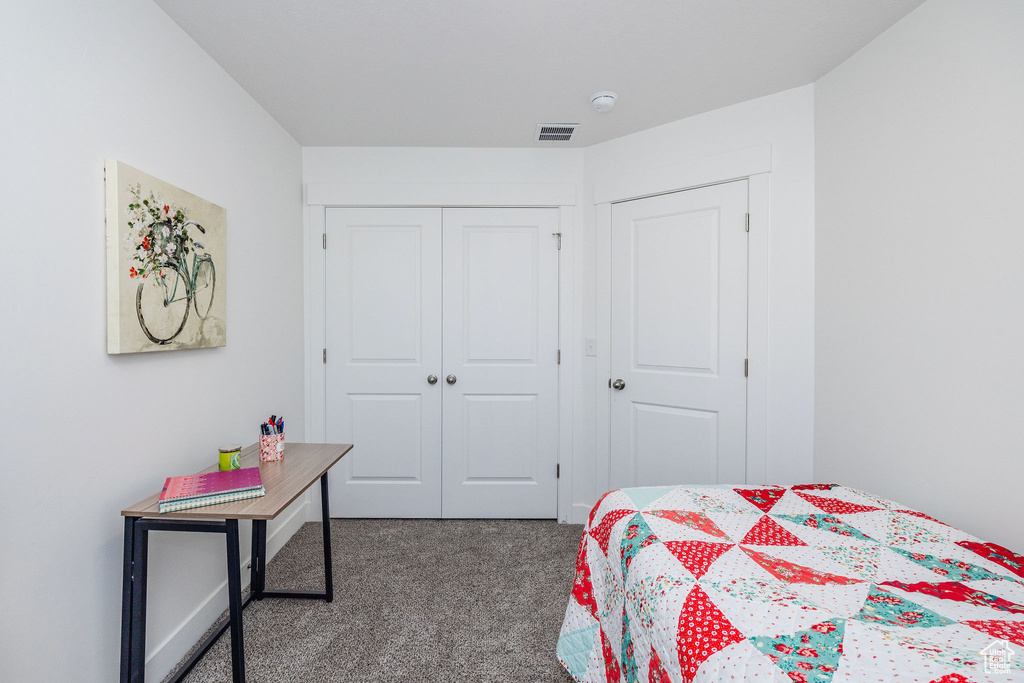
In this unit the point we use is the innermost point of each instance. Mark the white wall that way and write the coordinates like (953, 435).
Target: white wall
(86, 434)
(785, 121)
(920, 266)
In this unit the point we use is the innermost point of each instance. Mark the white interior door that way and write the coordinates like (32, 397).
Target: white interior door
(679, 338)
(383, 335)
(500, 353)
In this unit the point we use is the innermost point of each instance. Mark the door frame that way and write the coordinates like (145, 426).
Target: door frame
(321, 196)
(752, 164)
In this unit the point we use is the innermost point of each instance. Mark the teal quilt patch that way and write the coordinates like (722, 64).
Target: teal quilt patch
(574, 650)
(645, 496)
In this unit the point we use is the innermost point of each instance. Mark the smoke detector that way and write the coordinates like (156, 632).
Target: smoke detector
(555, 132)
(603, 101)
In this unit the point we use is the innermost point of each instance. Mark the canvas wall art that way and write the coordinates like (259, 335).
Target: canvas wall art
(165, 265)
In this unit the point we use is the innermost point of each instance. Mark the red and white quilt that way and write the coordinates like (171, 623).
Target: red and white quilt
(815, 582)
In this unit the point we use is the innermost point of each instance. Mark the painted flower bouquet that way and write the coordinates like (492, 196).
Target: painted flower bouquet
(158, 232)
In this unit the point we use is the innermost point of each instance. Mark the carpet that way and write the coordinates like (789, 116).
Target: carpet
(414, 600)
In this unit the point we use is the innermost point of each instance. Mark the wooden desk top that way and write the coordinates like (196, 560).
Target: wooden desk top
(284, 480)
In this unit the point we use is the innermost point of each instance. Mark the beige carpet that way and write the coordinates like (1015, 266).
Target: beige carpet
(415, 600)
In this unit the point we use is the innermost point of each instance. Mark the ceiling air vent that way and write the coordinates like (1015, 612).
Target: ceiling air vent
(555, 132)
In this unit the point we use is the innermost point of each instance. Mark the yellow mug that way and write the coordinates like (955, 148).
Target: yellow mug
(230, 457)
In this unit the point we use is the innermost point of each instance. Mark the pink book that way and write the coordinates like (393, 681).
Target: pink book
(211, 483)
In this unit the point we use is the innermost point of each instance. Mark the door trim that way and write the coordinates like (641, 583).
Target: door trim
(686, 175)
(321, 196)
(441, 195)
(754, 165)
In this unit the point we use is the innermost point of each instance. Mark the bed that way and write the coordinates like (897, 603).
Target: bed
(816, 582)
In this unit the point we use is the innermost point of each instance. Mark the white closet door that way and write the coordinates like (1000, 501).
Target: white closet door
(500, 350)
(679, 338)
(383, 328)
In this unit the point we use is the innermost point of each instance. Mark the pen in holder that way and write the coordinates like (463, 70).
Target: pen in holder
(272, 439)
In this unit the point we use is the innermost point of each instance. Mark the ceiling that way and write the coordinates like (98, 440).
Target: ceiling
(484, 73)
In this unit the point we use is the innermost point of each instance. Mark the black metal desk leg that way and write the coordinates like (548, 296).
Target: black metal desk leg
(235, 603)
(261, 579)
(254, 566)
(258, 572)
(126, 599)
(326, 521)
(137, 629)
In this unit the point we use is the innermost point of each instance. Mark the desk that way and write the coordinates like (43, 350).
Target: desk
(284, 480)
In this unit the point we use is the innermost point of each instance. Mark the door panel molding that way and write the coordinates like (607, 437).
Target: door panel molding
(687, 420)
(654, 261)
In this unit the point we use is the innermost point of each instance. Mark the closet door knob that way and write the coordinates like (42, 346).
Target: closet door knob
(619, 384)
(431, 379)
(451, 379)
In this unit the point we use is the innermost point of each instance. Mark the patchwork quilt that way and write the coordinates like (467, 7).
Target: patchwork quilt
(810, 583)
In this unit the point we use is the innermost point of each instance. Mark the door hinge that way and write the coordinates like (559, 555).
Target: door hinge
(746, 367)
(559, 356)
(559, 236)
(558, 470)
(748, 222)
(325, 240)
(325, 355)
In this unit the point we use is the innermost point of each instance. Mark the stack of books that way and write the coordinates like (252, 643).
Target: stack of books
(197, 490)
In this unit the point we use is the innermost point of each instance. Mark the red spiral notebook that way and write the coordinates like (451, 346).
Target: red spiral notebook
(211, 483)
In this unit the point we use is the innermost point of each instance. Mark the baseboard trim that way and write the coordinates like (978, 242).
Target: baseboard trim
(579, 514)
(164, 656)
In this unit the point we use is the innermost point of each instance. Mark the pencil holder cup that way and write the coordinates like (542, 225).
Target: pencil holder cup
(271, 447)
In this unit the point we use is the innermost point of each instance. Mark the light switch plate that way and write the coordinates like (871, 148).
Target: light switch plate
(590, 344)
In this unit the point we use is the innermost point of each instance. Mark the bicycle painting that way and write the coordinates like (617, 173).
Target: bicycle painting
(165, 265)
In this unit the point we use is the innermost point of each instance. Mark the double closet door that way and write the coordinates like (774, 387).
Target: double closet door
(441, 348)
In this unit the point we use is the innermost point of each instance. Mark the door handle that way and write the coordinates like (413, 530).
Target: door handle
(619, 384)
(451, 379)
(431, 379)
